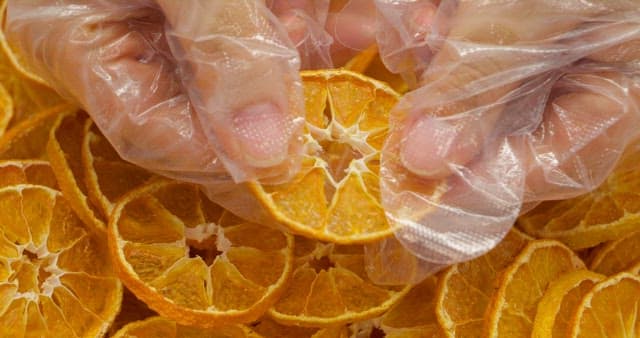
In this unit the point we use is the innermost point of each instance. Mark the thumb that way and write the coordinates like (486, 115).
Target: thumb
(240, 71)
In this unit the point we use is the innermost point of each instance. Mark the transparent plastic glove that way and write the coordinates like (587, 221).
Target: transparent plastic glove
(522, 101)
(198, 90)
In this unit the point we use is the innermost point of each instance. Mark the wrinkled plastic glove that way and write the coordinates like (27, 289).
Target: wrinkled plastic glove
(517, 102)
(198, 90)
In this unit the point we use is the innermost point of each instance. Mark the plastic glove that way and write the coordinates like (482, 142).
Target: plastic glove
(197, 90)
(518, 102)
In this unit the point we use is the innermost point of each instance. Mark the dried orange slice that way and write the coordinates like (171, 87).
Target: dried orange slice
(414, 315)
(56, 279)
(560, 301)
(191, 261)
(609, 212)
(617, 256)
(368, 62)
(158, 327)
(27, 171)
(610, 309)
(512, 307)
(106, 176)
(465, 289)
(335, 196)
(330, 287)
(131, 310)
(6, 109)
(64, 152)
(28, 139)
(268, 328)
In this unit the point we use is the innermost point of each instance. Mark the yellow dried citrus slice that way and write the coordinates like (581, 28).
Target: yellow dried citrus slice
(414, 315)
(6, 109)
(617, 256)
(335, 196)
(330, 287)
(610, 309)
(107, 177)
(28, 139)
(560, 301)
(56, 279)
(465, 289)
(268, 328)
(512, 307)
(36, 172)
(131, 310)
(609, 212)
(158, 327)
(64, 153)
(191, 261)
(368, 62)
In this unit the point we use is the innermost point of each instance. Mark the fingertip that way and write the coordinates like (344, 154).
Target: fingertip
(423, 148)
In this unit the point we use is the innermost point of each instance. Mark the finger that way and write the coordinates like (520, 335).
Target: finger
(240, 72)
(111, 58)
(352, 25)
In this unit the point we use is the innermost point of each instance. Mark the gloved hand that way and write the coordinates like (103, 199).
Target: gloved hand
(197, 90)
(516, 102)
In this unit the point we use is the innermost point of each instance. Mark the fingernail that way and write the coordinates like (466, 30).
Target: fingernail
(424, 147)
(262, 134)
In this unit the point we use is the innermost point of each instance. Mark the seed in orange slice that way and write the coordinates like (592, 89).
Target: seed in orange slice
(56, 279)
(414, 315)
(191, 261)
(268, 328)
(512, 307)
(64, 152)
(106, 175)
(335, 196)
(28, 139)
(608, 213)
(329, 287)
(617, 256)
(36, 172)
(158, 327)
(610, 309)
(560, 301)
(465, 289)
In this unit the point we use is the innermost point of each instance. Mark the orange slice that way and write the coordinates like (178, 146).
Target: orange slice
(56, 279)
(6, 109)
(560, 302)
(131, 310)
(268, 328)
(609, 212)
(158, 327)
(617, 256)
(28, 139)
(191, 261)
(27, 171)
(330, 287)
(106, 176)
(335, 196)
(64, 152)
(512, 307)
(414, 315)
(465, 289)
(610, 309)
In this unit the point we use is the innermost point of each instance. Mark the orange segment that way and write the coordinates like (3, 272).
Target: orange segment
(106, 175)
(512, 307)
(181, 255)
(608, 213)
(610, 309)
(465, 289)
(560, 302)
(335, 195)
(64, 152)
(156, 327)
(414, 315)
(617, 256)
(27, 171)
(44, 292)
(329, 288)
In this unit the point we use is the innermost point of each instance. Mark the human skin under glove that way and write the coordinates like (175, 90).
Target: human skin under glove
(515, 102)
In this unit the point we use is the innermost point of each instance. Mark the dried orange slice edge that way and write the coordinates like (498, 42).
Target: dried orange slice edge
(617, 256)
(155, 327)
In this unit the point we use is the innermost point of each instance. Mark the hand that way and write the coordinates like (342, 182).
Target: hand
(197, 90)
(517, 103)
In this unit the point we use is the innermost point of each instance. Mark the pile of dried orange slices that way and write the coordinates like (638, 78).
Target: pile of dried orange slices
(93, 246)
